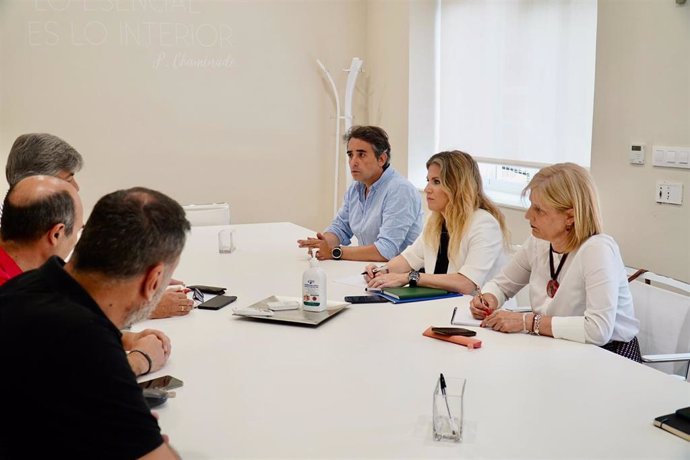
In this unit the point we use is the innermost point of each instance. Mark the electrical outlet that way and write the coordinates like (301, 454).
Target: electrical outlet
(669, 192)
(671, 157)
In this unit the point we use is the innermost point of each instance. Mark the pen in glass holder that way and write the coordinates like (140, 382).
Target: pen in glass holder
(448, 409)
(453, 426)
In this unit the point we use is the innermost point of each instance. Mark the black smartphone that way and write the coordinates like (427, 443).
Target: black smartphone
(365, 299)
(208, 289)
(453, 331)
(166, 382)
(217, 302)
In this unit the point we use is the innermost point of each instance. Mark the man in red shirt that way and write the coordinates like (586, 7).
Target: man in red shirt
(42, 217)
(8, 267)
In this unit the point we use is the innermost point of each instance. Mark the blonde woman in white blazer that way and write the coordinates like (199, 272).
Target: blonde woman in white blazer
(464, 242)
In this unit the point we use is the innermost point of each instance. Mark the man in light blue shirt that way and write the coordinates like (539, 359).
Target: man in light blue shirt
(381, 208)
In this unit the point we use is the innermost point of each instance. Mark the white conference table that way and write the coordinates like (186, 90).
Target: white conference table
(360, 385)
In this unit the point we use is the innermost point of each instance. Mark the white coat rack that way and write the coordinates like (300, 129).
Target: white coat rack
(352, 74)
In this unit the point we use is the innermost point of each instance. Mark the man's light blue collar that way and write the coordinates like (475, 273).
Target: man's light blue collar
(385, 177)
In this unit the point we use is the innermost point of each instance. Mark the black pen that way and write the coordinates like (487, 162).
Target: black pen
(442, 382)
(452, 317)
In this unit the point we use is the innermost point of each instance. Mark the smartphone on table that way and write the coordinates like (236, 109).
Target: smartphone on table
(365, 299)
(166, 382)
(217, 302)
(450, 331)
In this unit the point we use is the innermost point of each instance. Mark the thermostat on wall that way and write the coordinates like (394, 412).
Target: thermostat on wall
(636, 154)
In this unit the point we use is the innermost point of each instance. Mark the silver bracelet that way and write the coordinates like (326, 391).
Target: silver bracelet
(537, 320)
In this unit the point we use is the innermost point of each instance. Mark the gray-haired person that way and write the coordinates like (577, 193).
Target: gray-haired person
(46, 154)
(42, 154)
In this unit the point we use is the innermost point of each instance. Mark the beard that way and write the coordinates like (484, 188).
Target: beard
(144, 310)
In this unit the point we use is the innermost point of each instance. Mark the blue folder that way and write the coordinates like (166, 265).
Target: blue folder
(422, 299)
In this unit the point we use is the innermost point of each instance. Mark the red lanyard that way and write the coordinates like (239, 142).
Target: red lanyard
(552, 286)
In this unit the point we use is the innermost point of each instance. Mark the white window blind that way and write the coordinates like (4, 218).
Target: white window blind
(516, 79)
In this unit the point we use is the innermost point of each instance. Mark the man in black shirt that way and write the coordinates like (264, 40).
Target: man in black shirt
(72, 393)
(42, 217)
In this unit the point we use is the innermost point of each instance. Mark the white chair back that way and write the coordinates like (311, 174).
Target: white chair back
(661, 281)
(664, 324)
(208, 214)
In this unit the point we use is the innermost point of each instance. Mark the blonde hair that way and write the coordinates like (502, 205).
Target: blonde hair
(462, 182)
(566, 186)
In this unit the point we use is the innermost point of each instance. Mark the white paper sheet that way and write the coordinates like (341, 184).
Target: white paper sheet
(354, 280)
(463, 317)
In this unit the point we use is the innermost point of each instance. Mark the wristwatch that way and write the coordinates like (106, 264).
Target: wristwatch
(413, 278)
(337, 252)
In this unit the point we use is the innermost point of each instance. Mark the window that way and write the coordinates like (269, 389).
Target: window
(504, 183)
(514, 86)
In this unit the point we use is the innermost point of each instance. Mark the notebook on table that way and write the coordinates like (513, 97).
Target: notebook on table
(677, 423)
(415, 294)
(462, 317)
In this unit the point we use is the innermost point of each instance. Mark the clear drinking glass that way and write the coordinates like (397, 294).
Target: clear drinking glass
(226, 241)
(448, 410)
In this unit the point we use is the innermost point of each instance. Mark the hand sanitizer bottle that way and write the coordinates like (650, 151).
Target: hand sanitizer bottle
(314, 287)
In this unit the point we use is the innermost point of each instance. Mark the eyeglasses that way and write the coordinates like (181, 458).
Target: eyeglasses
(197, 295)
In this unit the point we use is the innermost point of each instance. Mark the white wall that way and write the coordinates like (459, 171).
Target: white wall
(387, 73)
(642, 94)
(255, 130)
(259, 133)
